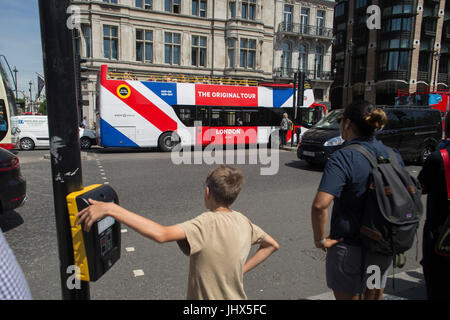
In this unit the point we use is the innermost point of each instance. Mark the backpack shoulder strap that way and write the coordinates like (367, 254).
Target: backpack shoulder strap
(366, 153)
(393, 155)
(446, 159)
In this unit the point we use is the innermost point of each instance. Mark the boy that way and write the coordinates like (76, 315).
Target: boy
(218, 241)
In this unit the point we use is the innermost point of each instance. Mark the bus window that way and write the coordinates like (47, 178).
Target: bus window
(185, 114)
(216, 120)
(249, 118)
(3, 120)
(229, 118)
(270, 116)
(202, 116)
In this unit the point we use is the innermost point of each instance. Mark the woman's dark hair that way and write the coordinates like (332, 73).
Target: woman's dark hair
(366, 117)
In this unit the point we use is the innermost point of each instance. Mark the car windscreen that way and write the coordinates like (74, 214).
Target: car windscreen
(330, 121)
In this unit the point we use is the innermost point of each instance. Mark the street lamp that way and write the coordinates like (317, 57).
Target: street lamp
(436, 57)
(15, 78)
(31, 97)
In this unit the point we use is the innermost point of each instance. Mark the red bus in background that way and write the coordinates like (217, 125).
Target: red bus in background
(438, 100)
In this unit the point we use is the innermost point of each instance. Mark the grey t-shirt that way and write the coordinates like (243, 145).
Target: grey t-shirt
(219, 246)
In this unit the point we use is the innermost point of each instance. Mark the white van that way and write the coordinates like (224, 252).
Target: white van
(33, 132)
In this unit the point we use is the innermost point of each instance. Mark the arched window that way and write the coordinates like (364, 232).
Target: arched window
(303, 57)
(286, 58)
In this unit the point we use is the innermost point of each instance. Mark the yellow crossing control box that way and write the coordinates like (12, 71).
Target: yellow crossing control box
(95, 251)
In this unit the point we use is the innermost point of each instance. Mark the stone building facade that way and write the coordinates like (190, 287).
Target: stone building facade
(262, 40)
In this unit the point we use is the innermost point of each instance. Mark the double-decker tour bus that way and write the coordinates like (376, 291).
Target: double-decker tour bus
(8, 137)
(439, 100)
(162, 112)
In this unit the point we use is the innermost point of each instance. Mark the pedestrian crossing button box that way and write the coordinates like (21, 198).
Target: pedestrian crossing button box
(96, 251)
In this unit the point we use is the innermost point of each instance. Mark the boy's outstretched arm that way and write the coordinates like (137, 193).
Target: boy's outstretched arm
(267, 247)
(146, 227)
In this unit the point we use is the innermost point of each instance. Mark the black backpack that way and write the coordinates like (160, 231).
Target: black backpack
(392, 207)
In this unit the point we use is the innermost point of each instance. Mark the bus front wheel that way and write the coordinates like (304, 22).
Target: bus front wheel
(168, 141)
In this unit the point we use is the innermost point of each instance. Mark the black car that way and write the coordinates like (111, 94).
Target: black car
(414, 131)
(12, 184)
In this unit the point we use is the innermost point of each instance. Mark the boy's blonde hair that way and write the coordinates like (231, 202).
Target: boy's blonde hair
(224, 184)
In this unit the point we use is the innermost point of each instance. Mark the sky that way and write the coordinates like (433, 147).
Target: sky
(20, 41)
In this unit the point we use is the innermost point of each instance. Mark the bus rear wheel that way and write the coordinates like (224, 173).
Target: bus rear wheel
(168, 141)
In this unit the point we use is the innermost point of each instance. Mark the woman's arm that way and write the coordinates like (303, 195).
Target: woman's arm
(319, 217)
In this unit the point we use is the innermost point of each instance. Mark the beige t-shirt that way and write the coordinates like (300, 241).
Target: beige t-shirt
(219, 246)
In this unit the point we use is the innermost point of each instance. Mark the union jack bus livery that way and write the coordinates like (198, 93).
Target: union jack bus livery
(132, 113)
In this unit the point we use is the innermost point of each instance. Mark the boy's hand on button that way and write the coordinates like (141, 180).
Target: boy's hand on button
(96, 211)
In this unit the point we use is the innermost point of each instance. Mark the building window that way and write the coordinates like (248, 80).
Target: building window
(144, 45)
(303, 57)
(424, 61)
(173, 6)
(287, 16)
(286, 58)
(110, 1)
(318, 61)
(360, 3)
(86, 31)
(199, 8)
(247, 53)
(339, 10)
(320, 22)
(110, 42)
(144, 4)
(172, 48)
(198, 51)
(232, 5)
(231, 52)
(304, 20)
(399, 24)
(248, 9)
(395, 61)
(318, 94)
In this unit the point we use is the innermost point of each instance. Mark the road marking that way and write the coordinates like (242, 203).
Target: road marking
(124, 230)
(130, 249)
(407, 282)
(138, 273)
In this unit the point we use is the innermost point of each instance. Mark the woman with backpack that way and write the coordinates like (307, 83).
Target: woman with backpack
(436, 265)
(345, 181)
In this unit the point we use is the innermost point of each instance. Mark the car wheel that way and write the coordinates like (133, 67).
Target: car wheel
(426, 151)
(168, 141)
(26, 144)
(85, 143)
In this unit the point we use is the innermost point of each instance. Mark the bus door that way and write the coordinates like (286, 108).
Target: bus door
(202, 132)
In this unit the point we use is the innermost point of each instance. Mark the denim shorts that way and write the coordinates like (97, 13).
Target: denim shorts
(343, 269)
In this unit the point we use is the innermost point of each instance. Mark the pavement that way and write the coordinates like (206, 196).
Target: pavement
(150, 184)
(407, 285)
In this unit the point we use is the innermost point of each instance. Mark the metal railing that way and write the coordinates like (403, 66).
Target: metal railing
(282, 72)
(180, 78)
(299, 28)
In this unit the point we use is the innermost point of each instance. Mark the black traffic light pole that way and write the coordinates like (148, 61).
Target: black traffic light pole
(61, 91)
